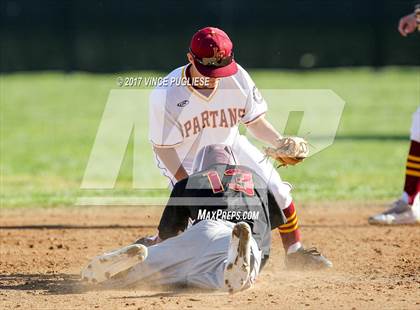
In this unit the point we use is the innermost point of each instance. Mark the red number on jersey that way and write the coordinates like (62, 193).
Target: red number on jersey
(216, 184)
(243, 181)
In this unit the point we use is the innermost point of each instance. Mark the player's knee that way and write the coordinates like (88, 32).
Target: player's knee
(281, 192)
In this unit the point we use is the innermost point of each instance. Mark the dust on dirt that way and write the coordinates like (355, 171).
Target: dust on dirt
(43, 250)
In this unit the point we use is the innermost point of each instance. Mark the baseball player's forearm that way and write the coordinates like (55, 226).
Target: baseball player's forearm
(171, 160)
(264, 131)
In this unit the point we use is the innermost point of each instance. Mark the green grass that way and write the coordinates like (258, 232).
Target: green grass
(49, 122)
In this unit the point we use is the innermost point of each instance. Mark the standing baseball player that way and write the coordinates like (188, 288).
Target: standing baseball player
(406, 210)
(184, 117)
(225, 248)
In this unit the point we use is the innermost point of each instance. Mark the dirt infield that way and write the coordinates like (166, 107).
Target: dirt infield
(42, 251)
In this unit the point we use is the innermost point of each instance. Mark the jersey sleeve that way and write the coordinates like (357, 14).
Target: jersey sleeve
(175, 217)
(255, 104)
(164, 130)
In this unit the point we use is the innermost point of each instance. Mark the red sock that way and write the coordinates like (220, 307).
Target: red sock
(412, 173)
(289, 232)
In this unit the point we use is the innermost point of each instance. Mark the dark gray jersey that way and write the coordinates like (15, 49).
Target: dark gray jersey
(223, 192)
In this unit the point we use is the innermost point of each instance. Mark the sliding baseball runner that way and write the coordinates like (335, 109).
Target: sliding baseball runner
(233, 213)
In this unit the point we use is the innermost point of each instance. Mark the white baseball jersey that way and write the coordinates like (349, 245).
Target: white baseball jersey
(184, 119)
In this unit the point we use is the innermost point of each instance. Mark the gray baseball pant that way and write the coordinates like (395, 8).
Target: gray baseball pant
(195, 258)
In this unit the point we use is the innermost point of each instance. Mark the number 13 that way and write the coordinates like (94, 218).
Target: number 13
(242, 181)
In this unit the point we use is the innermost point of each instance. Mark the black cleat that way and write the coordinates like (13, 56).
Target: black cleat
(305, 259)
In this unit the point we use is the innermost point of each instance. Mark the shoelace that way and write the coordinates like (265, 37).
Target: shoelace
(311, 251)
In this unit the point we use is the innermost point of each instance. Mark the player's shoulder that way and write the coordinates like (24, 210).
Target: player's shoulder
(257, 179)
(195, 185)
(241, 70)
(176, 73)
(167, 89)
(243, 78)
(172, 79)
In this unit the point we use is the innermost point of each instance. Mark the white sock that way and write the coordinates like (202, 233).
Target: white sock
(404, 197)
(294, 248)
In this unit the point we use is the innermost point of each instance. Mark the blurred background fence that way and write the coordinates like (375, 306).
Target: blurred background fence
(109, 36)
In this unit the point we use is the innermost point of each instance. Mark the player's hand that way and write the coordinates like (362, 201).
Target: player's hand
(407, 25)
(288, 151)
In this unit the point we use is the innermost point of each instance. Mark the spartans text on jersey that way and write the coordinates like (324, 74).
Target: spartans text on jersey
(212, 119)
